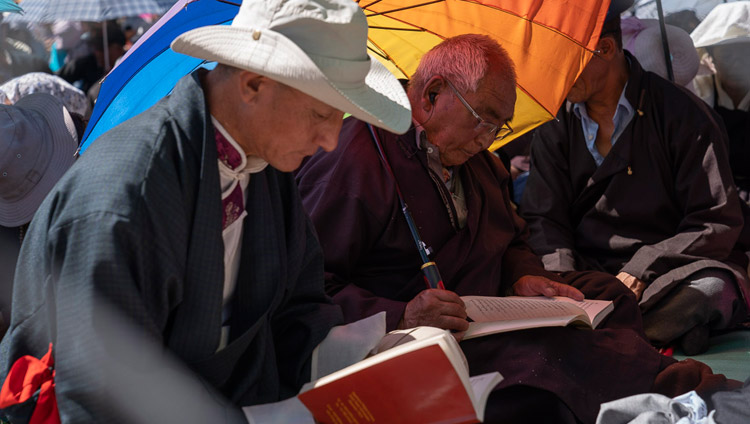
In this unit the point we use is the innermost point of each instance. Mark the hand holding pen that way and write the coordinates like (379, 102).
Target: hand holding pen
(436, 308)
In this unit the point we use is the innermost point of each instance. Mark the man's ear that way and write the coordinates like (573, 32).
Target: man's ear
(431, 91)
(607, 47)
(249, 84)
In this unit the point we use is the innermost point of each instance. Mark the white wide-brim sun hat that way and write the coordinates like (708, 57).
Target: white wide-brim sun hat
(316, 46)
(727, 23)
(38, 141)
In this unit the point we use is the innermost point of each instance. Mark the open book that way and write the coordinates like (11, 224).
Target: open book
(419, 375)
(492, 315)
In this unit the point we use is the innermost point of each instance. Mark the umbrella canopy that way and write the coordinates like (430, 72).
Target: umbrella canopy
(88, 10)
(10, 6)
(150, 69)
(647, 8)
(549, 41)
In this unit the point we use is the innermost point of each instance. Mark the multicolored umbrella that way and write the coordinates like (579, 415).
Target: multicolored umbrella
(151, 69)
(10, 6)
(549, 41)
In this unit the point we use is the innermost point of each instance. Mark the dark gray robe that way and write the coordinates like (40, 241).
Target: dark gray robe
(660, 207)
(136, 222)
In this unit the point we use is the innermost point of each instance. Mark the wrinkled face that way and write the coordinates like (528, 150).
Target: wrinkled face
(290, 126)
(457, 133)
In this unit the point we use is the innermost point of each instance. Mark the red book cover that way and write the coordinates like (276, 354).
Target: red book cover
(420, 386)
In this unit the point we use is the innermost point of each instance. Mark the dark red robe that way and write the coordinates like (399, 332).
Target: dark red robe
(372, 265)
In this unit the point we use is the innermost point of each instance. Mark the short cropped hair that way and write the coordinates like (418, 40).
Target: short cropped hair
(464, 61)
(611, 28)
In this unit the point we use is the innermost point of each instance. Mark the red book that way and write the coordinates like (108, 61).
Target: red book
(424, 380)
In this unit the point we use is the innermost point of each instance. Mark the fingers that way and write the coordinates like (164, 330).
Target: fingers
(436, 308)
(568, 291)
(534, 285)
(444, 296)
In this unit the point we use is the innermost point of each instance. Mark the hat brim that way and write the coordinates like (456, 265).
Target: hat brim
(64, 138)
(379, 100)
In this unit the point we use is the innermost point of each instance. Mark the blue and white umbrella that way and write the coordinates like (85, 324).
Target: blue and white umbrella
(88, 10)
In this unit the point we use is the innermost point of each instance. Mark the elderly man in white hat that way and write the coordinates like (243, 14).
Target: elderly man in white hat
(723, 39)
(187, 221)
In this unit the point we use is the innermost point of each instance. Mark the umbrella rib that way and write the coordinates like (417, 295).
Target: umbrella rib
(405, 8)
(398, 29)
(378, 53)
(229, 2)
(368, 5)
(382, 53)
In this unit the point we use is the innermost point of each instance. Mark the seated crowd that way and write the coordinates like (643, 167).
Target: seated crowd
(241, 225)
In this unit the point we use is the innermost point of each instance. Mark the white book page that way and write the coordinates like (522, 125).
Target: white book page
(481, 386)
(487, 309)
(592, 308)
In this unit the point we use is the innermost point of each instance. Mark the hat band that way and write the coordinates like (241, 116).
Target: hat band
(344, 73)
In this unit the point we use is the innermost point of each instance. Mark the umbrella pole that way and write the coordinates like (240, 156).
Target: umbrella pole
(664, 41)
(106, 46)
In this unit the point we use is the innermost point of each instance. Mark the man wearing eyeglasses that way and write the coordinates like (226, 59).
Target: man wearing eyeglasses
(462, 96)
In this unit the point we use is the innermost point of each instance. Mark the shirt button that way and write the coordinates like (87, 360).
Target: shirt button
(591, 137)
(429, 150)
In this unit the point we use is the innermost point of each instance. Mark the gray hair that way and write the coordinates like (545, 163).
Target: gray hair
(464, 61)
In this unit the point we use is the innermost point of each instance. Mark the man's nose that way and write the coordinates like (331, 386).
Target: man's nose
(328, 139)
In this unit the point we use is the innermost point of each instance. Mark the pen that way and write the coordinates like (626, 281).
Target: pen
(429, 269)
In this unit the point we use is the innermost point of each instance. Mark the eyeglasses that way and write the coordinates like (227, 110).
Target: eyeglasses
(483, 127)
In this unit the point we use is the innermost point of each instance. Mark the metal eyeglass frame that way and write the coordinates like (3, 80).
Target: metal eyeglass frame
(496, 132)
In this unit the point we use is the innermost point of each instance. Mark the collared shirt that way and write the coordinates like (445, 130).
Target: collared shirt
(452, 184)
(623, 114)
(235, 168)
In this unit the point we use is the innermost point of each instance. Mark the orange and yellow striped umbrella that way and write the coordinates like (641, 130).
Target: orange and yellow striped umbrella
(550, 42)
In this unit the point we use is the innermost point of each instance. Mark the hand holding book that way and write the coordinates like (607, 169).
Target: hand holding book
(535, 285)
(500, 314)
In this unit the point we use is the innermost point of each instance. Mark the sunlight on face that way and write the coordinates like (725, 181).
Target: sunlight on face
(295, 126)
(460, 138)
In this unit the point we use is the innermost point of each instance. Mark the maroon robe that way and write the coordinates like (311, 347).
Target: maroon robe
(372, 265)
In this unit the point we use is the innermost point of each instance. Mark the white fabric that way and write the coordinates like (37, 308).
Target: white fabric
(653, 408)
(39, 82)
(727, 28)
(346, 344)
(727, 23)
(316, 46)
(289, 411)
(704, 88)
(229, 178)
(232, 235)
(647, 8)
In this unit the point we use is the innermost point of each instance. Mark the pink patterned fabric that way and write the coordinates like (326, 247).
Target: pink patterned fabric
(227, 153)
(233, 203)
